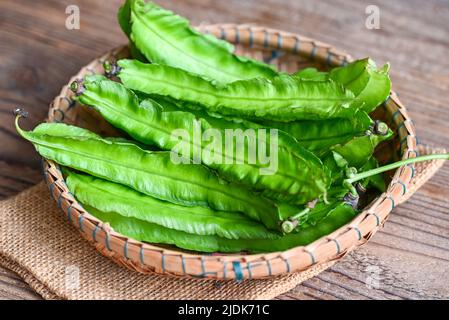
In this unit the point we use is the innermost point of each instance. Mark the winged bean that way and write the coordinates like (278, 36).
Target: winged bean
(298, 172)
(166, 38)
(319, 135)
(112, 197)
(331, 219)
(283, 98)
(150, 172)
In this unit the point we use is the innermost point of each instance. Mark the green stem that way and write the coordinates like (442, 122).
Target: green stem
(292, 222)
(373, 172)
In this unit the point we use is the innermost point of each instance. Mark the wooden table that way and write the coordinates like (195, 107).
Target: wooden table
(411, 254)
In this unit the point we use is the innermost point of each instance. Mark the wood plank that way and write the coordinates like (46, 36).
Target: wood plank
(38, 55)
(12, 287)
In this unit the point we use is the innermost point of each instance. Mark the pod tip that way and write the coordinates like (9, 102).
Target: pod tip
(380, 128)
(77, 87)
(351, 199)
(288, 225)
(111, 69)
(20, 112)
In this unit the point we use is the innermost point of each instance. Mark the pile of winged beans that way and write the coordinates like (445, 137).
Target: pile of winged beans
(182, 81)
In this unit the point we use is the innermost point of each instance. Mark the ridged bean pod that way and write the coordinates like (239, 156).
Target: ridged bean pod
(165, 38)
(332, 217)
(320, 135)
(112, 197)
(297, 172)
(149, 172)
(283, 98)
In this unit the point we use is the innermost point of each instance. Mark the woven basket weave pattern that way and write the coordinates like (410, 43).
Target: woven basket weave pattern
(289, 52)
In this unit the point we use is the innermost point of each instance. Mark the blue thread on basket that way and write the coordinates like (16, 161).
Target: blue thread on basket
(163, 262)
(377, 218)
(248, 267)
(142, 260)
(312, 256)
(287, 264)
(222, 33)
(269, 267)
(125, 249)
(401, 125)
(404, 188)
(329, 58)
(410, 165)
(80, 222)
(395, 114)
(297, 45)
(313, 53)
(108, 245)
(414, 151)
(251, 38)
(203, 267)
(274, 55)
(265, 40)
(51, 186)
(344, 61)
(59, 201)
(69, 214)
(237, 36)
(279, 41)
(237, 270)
(337, 245)
(183, 264)
(224, 270)
(393, 205)
(94, 233)
(359, 233)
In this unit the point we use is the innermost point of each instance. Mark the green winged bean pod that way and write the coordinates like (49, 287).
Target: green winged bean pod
(149, 172)
(320, 135)
(283, 98)
(330, 218)
(291, 170)
(369, 84)
(355, 153)
(165, 38)
(360, 149)
(112, 197)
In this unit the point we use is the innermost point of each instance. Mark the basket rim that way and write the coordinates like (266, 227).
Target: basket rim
(150, 258)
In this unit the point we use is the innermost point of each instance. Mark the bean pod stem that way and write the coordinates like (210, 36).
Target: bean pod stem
(363, 175)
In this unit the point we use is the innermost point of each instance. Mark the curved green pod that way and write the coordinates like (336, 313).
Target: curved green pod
(165, 38)
(332, 219)
(359, 149)
(320, 135)
(288, 169)
(112, 197)
(283, 98)
(150, 172)
(355, 153)
(369, 84)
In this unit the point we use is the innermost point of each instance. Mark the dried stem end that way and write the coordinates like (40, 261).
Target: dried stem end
(20, 112)
(351, 199)
(289, 225)
(77, 87)
(380, 128)
(111, 69)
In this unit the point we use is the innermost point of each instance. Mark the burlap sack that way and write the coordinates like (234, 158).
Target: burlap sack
(38, 243)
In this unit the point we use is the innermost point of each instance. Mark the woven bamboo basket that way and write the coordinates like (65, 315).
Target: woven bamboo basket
(289, 52)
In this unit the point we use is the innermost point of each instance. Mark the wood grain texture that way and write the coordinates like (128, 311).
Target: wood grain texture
(408, 259)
